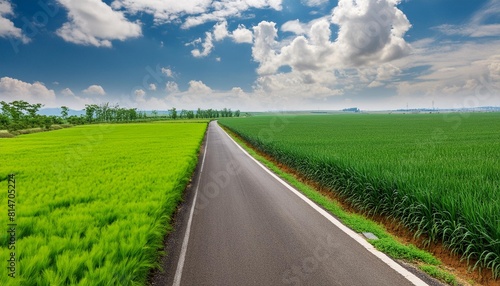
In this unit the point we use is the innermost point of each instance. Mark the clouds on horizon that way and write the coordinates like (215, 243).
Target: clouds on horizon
(358, 47)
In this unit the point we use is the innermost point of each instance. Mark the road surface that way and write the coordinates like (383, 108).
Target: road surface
(247, 228)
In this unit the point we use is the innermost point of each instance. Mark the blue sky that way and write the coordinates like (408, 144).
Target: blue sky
(251, 54)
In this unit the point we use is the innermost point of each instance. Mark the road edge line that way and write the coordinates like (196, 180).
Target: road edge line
(185, 241)
(382, 256)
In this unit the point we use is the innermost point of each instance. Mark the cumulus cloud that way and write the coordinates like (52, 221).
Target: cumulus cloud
(7, 28)
(92, 22)
(172, 87)
(198, 87)
(242, 35)
(219, 33)
(370, 31)
(168, 72)
(152, 87)
(164, 11)
(67, 92)
(192, 13)
(207, 47)
(294, 26)
(224, 9)
(94, 90)
(263, 50)
(13, 89)
(139, 93)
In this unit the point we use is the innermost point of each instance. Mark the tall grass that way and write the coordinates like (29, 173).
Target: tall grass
(440, 180)
(94, 202)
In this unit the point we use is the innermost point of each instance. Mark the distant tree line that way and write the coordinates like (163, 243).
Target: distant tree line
(202, 113)
(19, 114)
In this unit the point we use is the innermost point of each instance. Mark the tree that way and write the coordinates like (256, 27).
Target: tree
(32, 109)
(173, 113)
(183, 113)
(64, 112)
(237, 113)
(4, 121)
(90, 109)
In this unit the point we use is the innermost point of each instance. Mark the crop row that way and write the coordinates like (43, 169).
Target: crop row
(439, 179)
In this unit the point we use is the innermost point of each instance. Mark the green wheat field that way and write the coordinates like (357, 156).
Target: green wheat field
(437, 174)
(94, 202)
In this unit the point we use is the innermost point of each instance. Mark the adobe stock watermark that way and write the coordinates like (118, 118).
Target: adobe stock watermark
(300, 272)
(40, 19)
(218, 181)
(369, 31)
(483, 93)
(277, 124)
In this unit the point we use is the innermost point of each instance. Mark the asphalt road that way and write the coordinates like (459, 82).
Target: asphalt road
(247, 228)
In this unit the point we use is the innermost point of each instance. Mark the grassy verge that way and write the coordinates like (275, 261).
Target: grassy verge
(386, 243)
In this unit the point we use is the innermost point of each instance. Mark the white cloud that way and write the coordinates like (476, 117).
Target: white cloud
(139, 93)
(172, 87)
(263, 50)
(294, 26)
(370, 31)
(164, 11)
(478, 25)
(198, 87)
(312, 3)
(94, 90)
(220, 31)
(224, 9)
(152, 87)
(13, 89)
(193, 12)
(494, 68)
(242, 35)
(94, 23)
(67, 92)
(458, 74)
(207, 47)
(7, 28)
(168, 72)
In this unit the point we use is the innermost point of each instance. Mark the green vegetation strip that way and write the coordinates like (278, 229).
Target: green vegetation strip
(94, 202)
(436, 174)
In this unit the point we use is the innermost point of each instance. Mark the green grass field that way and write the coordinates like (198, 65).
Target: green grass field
(438, 174)
(94, 202)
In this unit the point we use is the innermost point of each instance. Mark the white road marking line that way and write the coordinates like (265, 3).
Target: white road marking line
(182, 256)
(386, 259)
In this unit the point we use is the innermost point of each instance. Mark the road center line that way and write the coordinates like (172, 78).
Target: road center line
(382, 256)
(182, 256)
